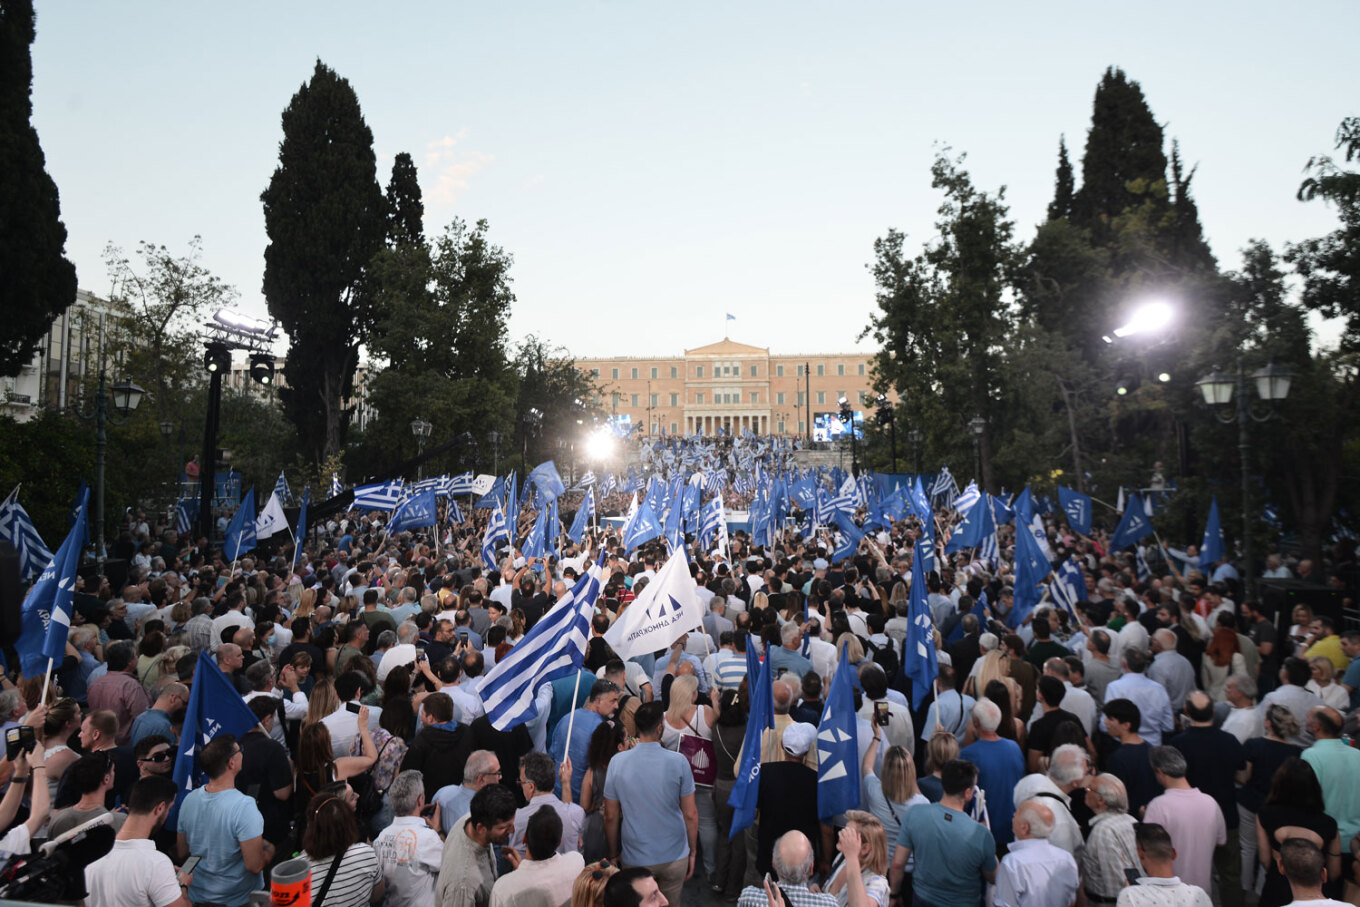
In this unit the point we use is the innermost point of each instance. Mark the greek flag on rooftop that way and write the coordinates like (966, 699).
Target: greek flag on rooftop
(554, 648)
(16, 527)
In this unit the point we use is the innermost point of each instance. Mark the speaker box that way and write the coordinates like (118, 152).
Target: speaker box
(1280, 596)
(116, 569)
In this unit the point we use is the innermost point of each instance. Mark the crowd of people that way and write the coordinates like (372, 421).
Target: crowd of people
(1162, 742)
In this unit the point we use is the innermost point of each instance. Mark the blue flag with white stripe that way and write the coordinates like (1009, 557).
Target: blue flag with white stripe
(240, 536)
(970, 496)
(555, 647)
(336, 487)
(584, 514)
(1068, 586)
(46, 616)
(1077, 507)
(186, 514)
(918, 653)
(535, 545)
(281, 488)
(746, 789)
(1134, 526)
(301, 535)
(16, 527)
(838, 746)
(496, 533)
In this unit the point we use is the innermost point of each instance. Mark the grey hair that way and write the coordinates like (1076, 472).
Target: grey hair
(1244, 685)
(987, 714)
(1111, 789)
(1168, 760)
(1032, 813)
(9, 701)
(478, 763)
(1283, 721)
(406, 792)
(1068, 764)
(796, 873)
(789, 632)
(408, 633)
(386, 639)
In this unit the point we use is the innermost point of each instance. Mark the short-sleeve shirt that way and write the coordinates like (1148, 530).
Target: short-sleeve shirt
(1000, 767)
(952, 851)
(214, 825)
(1131, 763)
(354, 879)
(648, 783)
(133, 874)
(1265, 756)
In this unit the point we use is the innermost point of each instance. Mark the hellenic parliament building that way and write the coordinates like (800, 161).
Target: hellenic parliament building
(731, 386)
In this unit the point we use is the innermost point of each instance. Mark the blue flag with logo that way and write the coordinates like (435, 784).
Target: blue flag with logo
(1134, 526)
(46, 616)
(300, 536)
(583, 516)
(1211, 550)
(1077, 507)
(215, 707)
(921, 505)
(79, 510)
(747, 787)
(1030, 569)
(920, 661)
(535, 545)
(838, 746)
(415, 512)
(642, 528)
(240, 536)
(544, 477)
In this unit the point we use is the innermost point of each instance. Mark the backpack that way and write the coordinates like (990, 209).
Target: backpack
(885, 657)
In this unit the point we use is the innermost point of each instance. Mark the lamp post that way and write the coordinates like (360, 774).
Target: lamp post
(886, 416)
(977, 426)
(1218, 389)
(915, 436)
(848, 419)
(124, 395)
(421, 429)
(495, 438)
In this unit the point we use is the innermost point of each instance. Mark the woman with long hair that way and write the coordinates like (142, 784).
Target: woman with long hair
(687, 728)
(323, 701)
(149, 659)
(728, 736)
(606, 741)
(941, 749)
(859, 877)
(1222, 659)
(341, 862)
(1264, 757)
(993, 665)
(1294, 809)
(888, 798)
(62, 720)
(588, 889)
(317, 765)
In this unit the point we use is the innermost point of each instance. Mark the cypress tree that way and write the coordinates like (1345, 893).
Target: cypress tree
(405, 209)
(1123, 155)
(325, 217)
(39, 282)
(1185, 234)
(1064, 185)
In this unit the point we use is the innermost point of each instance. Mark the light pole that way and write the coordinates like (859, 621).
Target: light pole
(977, 426)
(848, 419)
(886, 416)
(421, 429)
(495, 438)
(125, 396)
(1272, 383)
(916, 437)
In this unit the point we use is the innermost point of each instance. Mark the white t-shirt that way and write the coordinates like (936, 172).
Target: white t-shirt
(133, 874)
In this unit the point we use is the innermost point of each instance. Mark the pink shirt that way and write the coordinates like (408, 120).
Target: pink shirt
(1196, 826)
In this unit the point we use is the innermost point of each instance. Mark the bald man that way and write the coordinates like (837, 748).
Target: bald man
(1337, 767)
(1171, 669)
(1035, 873)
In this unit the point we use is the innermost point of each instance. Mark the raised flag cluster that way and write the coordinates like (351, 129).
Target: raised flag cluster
(16, 527)
(46, 616)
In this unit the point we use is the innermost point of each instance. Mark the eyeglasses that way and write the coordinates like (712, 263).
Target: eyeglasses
(162, 756)
(495, 774)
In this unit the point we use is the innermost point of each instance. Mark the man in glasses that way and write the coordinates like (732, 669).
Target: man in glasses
(155, 755)
(224, 827)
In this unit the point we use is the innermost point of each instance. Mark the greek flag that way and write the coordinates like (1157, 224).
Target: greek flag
(970, 496)
(1141, 565)
(496, 533)
(16, 527)
(554, 648)
(945, 489)
(336, 487)
(587, 480)
(713, 524)
(715, 481)
(46, 616)
(186, 512)
(460, 484)
(378, 495)
(1068, 586)
(610, 483)
(281, 488)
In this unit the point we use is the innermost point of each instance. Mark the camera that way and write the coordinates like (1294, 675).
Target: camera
(19, 739)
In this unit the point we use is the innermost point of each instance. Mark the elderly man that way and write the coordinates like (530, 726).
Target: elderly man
(1244, 721)
(546, 877)
(1192, 818)
(1170, 668)
(1035, 873)
(410, 849)
(793, 861)
(171, 696)
(1110, 847)
(786, 659)
(482, 768)
(537, 775)
(1294, 695)
(1337, 767)
(118, 691)
(1067, 771)
(1000, 766)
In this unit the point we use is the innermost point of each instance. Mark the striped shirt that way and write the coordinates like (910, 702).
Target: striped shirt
(354, 880)
(728, 668)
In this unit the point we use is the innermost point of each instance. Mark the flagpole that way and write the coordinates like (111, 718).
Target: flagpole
(47, 683)
(571, 719)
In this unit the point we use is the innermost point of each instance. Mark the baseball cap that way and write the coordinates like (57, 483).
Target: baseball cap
(798, 738)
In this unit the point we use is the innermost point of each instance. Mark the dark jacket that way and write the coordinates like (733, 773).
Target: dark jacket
(438, 754)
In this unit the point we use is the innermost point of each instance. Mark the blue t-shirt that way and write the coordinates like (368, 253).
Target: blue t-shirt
(951, 850)
(648, 782)
(1352, 679)
(585, 724)
(150, 723)
(1000, 766)
(214, 826)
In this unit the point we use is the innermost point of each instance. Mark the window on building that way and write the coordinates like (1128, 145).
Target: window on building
(840, 368)
(755, 397)
(614, 400)
(675, 371)
(821, 370)
(594, 373)
(674, 428)
(799, 372)
(801, 427)
(654, 396)
(863, 397)
(635, 401)
(698, 371)
(779, 398)
(616, 373)
(861, 368)
(800, 398)
(755, 371)
(821, 396)
(675, 399)
(699, 397)
(781, 428)
(654, 371)
(779, 371)
(634, 373)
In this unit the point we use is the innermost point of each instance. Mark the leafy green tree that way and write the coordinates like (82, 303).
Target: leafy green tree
(1330, 265)
(39, 282)
(943, 319)
(550, 382)
(325, 218)
(167, 296)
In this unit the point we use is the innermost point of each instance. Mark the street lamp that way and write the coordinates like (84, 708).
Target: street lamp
(1272, 383)
(495, 438)
(847, 414)
(977, 426)
(124, 395)
(887, 417)
(915, 436)
(421, 429)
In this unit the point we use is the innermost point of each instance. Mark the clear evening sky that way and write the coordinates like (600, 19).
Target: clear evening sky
(654, 166)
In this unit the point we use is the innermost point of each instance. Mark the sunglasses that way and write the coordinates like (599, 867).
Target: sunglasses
(162, 756)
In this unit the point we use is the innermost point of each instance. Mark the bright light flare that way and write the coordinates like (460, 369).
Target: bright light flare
(599, 445)
(1147, 318)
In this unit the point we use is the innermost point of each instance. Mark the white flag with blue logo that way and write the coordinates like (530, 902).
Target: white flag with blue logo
(666, 610)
